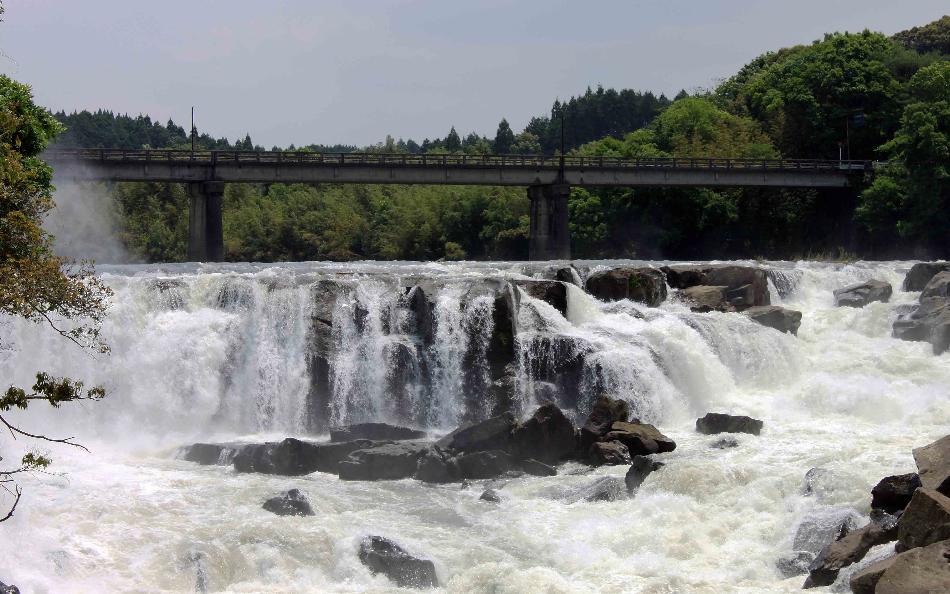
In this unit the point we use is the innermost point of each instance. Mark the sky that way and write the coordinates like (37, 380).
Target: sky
(353, 71)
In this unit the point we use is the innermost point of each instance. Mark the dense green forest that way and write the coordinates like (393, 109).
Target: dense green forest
(865, 94)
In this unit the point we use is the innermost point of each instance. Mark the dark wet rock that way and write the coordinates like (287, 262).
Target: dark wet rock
(933, 465)
(608, 453)
(491, 496)
(8, 589)
(865, 581)
(436, 466)
(293, 457)
(925, 521)
(548, 436)
(210, 453)
(421, 318)
(714, 423)
(774, 316)
(391, 461)
(382, 555)
(725, 442)
(919, 571)
(928, 322)
(604, 413)
(644, 285)
(376, 431)
(893, 493)
(290, 503)
(640, 468)
(938, 287)
(845, 551)
(568, 274)
(684, 276)
(490, 434)
(554, 293)
(503, 390)
(861, 294)
(747, 286)
(606, 488)
(640, 438)
(501, 344)
(535, 468)
(794, 564)
(921, 273)
(705, 298)
(816, 531)
(484, 464)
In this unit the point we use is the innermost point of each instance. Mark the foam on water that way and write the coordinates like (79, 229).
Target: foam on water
(222, 351)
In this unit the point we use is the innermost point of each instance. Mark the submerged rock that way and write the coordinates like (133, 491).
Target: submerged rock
(644, 285)
(724, 443)
(861, 294)
(814, 532)
(847, 550)
(382, 555)
(606, 488)
(795, 564)
(548, 436)
(774, 316)
(921, 273)
(714, 423)
(290, 503)
(933, 464)
(536, 468)
(378, 431)
(640, 468)
(484, 465)
(893, 493)
(490, 495)
(392, 461)
(925, 521)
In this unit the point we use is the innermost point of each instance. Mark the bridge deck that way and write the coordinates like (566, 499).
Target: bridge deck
(377, 168)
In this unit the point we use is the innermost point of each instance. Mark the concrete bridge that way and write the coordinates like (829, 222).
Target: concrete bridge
(547, 178)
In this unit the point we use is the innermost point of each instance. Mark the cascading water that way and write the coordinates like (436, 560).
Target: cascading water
(219, 352)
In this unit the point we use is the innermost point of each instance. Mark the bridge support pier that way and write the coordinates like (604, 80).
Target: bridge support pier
(549, 235)
(205, 226)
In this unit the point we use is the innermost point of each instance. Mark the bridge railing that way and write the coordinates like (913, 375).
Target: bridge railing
(290, 158)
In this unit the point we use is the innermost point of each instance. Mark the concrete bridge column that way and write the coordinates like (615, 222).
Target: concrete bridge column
(205, 227)
(549, 235)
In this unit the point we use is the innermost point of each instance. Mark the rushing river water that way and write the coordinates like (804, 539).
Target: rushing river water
(230, 352)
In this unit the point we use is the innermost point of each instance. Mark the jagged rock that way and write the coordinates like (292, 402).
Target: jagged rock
(928, 322)
(491, 496)
(391, 461)
(568, 274)
(548, 436)
(491, 434)
(925, 521)
(774, 316)
(919, 571)
(861, 294)
(938, 287)
(845, 551)
(437, 466)
(704, 298)
(377, 431)
(484, 464)
(551, 292)
(5, 589)
(921, 273)
(683, 277)
(865, 581)
(795, 564)
(290, 503)
(747, 286)
(640, 438)
(714, 423)
(640, 468)
(610, 453)
(535, 468)
(606, 488)
(933, 464)
(644, 285)
(725, 442)
(893, 493)
(814, 532)
(293, 457)
(210, 453)
(382, 555)
(605, 412)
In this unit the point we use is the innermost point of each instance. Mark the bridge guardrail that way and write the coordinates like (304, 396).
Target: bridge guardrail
(430, 160)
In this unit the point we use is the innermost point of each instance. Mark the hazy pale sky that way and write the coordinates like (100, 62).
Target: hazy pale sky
(352, 71)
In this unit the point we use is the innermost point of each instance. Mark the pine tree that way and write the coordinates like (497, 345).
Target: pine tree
(504, 138)
(452, 141)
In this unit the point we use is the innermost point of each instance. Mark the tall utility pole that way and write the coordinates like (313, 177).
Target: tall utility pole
(194, 130)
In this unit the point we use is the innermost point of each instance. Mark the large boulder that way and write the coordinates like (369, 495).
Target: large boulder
(893, 493)
(484, 465)
(569, 275)
(293, 457)
(704, 298)
(859, 295)
(933, 464)
(847, 550)
(606, 488)
(379, 431)
(938, 287)
(640, 468)
(926, 519)
(865, 581)
(490, 434)
(490, 495)
(391, 461)
(684, 276)
(210, 453)
(928, 322)
(921, 273)
(382, 555)
(608, 453)
(551, 292)
(714, 423)
(289, 503)
(814, 532)
(920, 571)
(536, 468)
(436, 465)
(640, 438)
(777, 317)
(747, 286)
(644, 285)
(548, 436)
(604, 413)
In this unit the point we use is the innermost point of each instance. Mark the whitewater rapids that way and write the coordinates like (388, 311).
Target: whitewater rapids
(220, 352)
